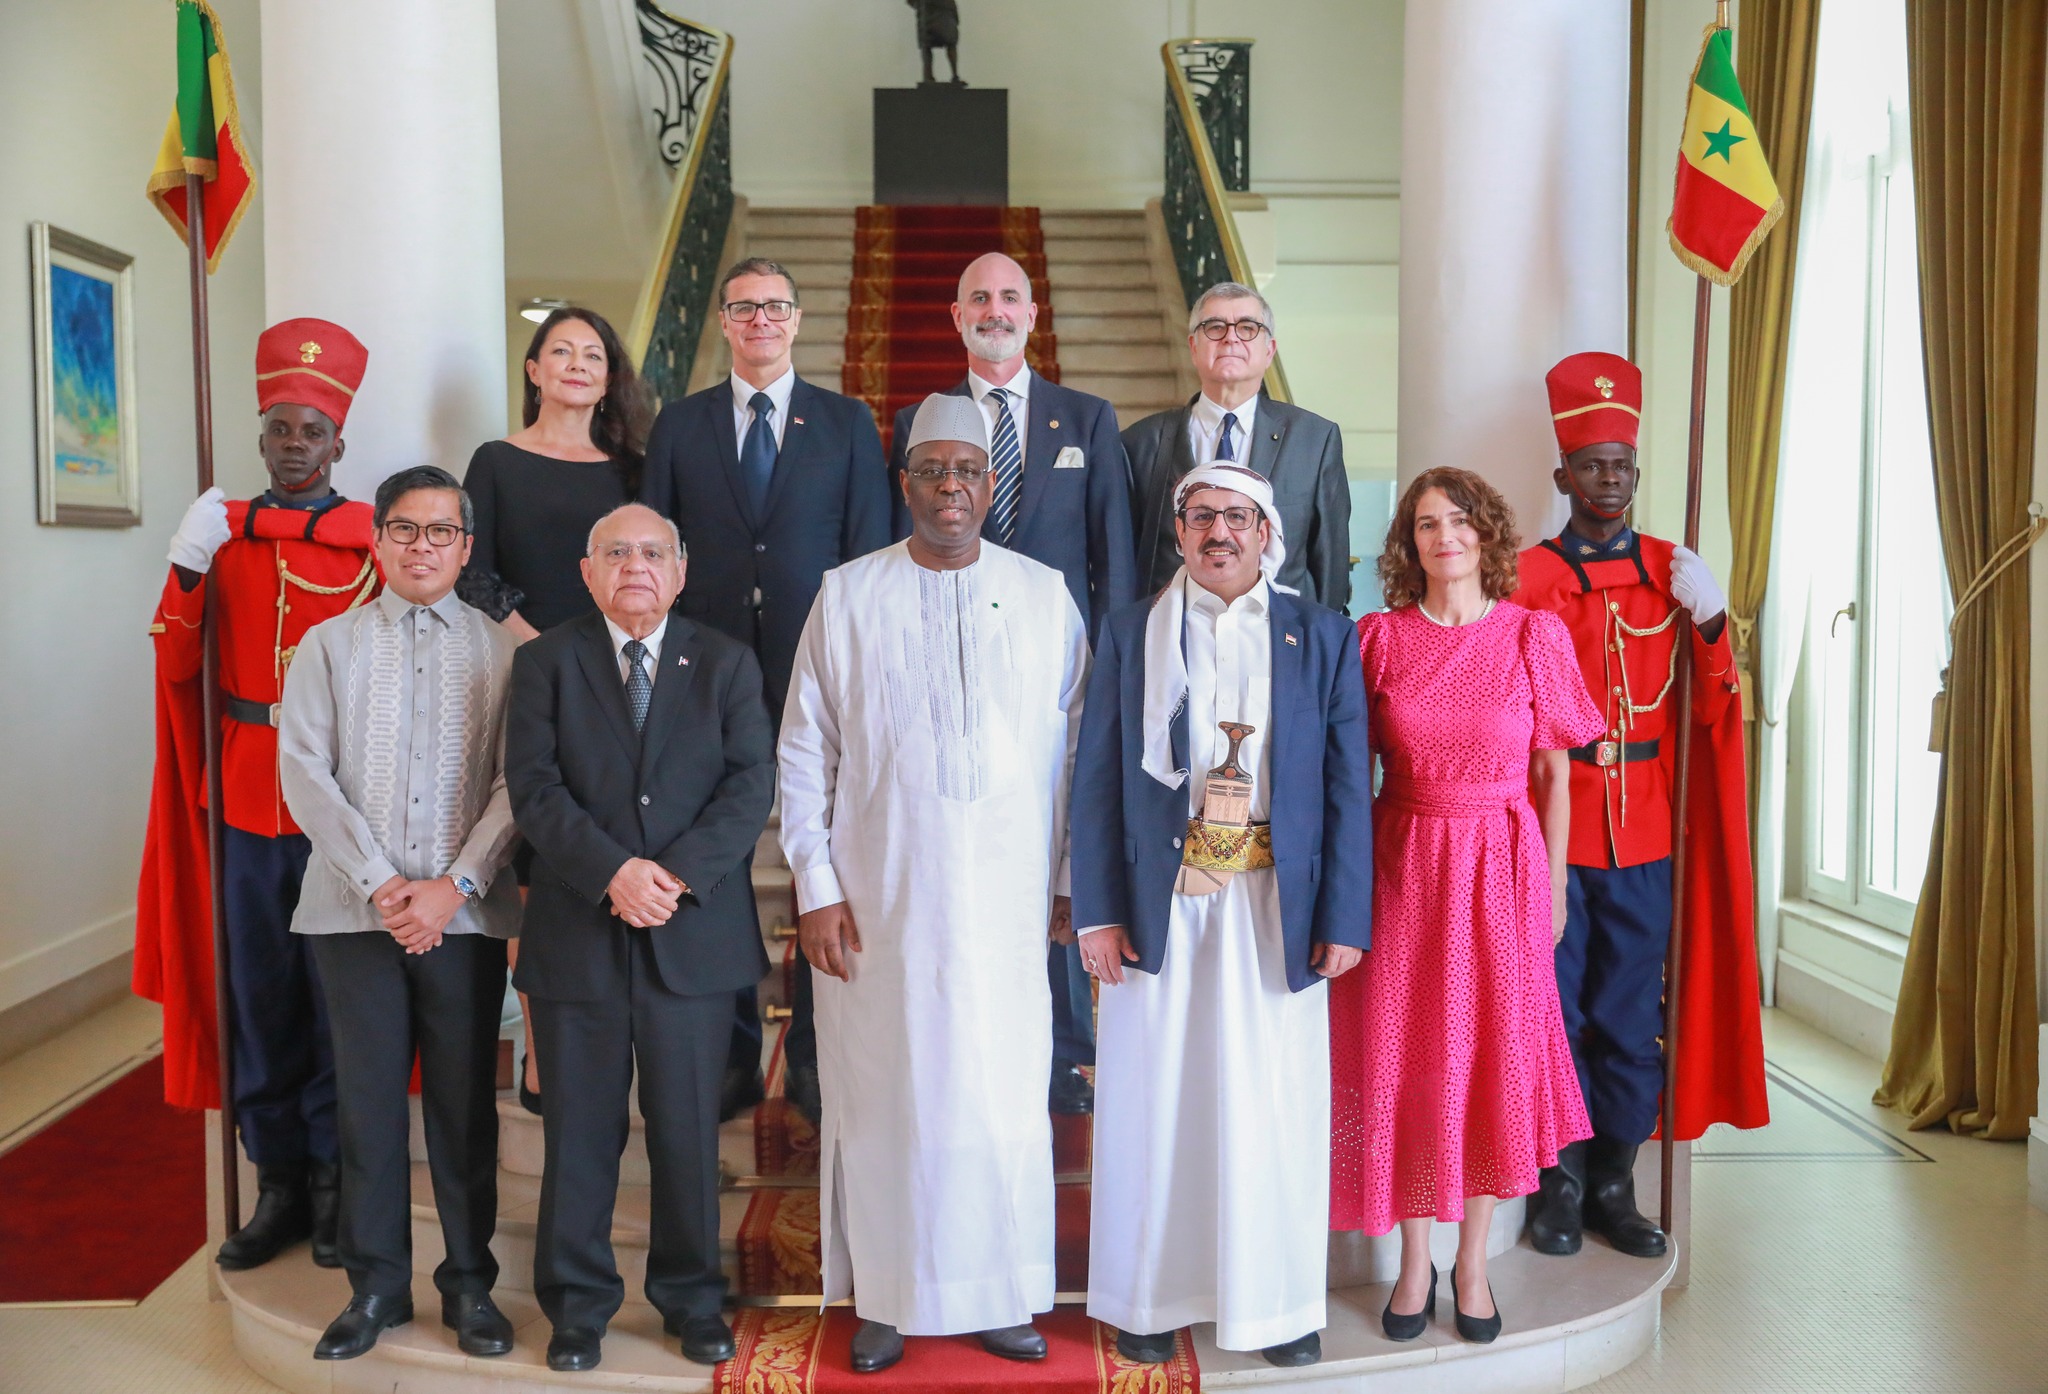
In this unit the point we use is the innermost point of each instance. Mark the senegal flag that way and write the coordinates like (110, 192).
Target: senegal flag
(204, 136)
(1726, 199)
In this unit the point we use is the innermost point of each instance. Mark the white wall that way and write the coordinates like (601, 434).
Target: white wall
(90, 86)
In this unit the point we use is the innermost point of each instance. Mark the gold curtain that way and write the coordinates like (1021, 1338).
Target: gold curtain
(1963, 1041)
(1774, 55)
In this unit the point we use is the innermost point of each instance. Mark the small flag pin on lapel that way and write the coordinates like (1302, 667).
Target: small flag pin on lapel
(683, 659)
(1291, 641)
(796, 421)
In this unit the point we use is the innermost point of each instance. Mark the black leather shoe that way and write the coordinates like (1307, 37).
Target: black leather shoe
(479, 1327)
(743, 1089)
(800, 1087)
(323, 1192)
(1478, 1330)
(1071, 1093)
(575, 1348)
(529, 1099)
(1611, 1200)
(360, 1324)
(283, 1216)
(706, 1340)
(876, 1346)
(1014, 1342)
(1406, 1326)
(1556, 1218)
(1146, 1350)
(1289, 1355)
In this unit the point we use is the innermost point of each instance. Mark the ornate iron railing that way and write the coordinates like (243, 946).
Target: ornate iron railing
(1208, 104)
(675, 300)
(683, 57)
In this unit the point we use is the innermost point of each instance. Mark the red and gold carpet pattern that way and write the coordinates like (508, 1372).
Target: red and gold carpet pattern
(901, 345)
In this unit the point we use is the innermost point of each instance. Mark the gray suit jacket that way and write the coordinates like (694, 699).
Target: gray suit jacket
(1300, 452)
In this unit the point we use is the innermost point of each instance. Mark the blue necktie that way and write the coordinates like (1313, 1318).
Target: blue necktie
(1226, 449)
(639, 687)
(757, 455)
(1009, 467)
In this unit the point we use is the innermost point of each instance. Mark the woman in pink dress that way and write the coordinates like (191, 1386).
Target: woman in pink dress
(1452, 1079)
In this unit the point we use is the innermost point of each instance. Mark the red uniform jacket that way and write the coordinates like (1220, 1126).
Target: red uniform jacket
(283, 571)
(1625, 625)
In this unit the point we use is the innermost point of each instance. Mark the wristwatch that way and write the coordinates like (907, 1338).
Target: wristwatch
(466, 886)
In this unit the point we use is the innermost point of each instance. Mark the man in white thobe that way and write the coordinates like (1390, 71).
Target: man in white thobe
(926, 749)
(1213, 908)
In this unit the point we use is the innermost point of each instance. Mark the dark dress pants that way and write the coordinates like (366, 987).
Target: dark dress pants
(382, 1004)
(587, 1054)
(1610, 985)
(284, 1066)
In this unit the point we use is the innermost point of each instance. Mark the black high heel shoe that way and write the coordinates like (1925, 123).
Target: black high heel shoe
(1478, 1330)
(1406, 1326)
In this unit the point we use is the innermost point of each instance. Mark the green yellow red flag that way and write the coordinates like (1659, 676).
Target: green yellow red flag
(204, 136)
(1726, 199)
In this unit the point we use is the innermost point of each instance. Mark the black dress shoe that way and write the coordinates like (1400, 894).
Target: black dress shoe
(743, 1089)
(1556, 1215)
(360, 1324)
(529, 1099)
(706, 1340)
(479, 1327)
(575, 1348)
(1479, 1330)
(1146, 1350)
(283, 1216)
(800, 1087)
(1406, 1326)
(1611, 1200)
(1289, 1355)
(1014, 1342)
(1071, 1093)
(876, 1346)
(323, 1192)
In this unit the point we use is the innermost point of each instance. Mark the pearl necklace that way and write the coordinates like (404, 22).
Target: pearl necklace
(1446, 624)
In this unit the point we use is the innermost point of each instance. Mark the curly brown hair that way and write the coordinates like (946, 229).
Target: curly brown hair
(1402, 580)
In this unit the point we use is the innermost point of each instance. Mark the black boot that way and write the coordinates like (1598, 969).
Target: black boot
(1611, 1200)
(284, 1216)
(1555, 1223)
(323, 1186)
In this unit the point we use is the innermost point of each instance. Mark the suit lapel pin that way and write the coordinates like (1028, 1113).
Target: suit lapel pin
(1291, 641)
(796, 421)
(1053, 424)
(1276, 435)
(683, 659)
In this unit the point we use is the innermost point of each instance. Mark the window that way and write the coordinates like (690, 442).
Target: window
(1878, 602)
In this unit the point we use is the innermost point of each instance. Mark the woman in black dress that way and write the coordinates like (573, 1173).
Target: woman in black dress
(538, 492)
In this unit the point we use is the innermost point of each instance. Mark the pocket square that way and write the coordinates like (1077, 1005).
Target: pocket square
(1070, 458)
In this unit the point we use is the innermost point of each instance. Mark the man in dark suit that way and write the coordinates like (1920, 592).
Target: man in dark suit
(772, 481)
(1231, 339)
(641, 769)
(1061, 498)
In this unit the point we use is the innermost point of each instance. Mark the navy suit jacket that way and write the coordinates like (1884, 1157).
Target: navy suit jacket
(1127, 827)
(1076, 521)
(828, 502)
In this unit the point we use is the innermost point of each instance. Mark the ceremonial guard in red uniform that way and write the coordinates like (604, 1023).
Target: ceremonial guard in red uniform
(277, 565)
(1629, 600)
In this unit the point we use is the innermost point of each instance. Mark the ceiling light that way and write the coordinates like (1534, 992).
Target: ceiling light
(539, 307)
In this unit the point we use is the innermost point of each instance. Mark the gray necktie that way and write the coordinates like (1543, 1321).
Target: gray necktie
(639, 687)
(1008, 459)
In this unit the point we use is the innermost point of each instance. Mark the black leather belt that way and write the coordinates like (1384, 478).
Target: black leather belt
(255, 713)
(1604, 753)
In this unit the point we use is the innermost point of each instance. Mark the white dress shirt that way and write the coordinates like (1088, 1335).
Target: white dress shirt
(1205, 429)
(743, 412)
(1230, 678)
(1019, 388)
(652, 641)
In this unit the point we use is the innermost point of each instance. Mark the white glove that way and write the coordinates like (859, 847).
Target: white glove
(199, 536)
(1695, 587)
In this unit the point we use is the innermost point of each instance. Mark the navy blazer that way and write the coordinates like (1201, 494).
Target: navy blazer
(1127, 827)
(828, 502)
(1076, 521)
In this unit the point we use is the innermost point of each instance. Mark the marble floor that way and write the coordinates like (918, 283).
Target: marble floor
(1834, 1252)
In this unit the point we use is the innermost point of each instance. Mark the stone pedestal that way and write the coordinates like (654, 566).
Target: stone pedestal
(939, 144)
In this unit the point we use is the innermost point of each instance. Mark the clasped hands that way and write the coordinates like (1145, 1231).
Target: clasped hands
(416, 912)
(644, 893)
(1105, 951)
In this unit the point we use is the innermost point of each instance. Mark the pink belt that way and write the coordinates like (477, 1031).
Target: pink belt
(1450, 798)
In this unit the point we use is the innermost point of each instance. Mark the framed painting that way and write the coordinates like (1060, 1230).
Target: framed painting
(88, 456)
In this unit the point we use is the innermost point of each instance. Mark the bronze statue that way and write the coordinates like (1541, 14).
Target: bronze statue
(938, 26)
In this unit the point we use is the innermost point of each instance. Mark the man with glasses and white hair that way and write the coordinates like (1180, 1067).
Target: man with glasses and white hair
(771, 481)
(641, 768)
(1232, 341)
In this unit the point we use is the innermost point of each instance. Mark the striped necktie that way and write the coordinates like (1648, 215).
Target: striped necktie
(1009, 467)
(639, 687)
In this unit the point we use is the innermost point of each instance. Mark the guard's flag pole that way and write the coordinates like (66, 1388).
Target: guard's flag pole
(1723, 204)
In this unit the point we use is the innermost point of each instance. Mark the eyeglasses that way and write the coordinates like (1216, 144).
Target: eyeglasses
(619, 553)
(405, 533)
(742, 311)
(1236, 519)
(1218, 330)
(966, 474)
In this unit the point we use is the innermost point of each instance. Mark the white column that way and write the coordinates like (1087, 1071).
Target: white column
(383, 210)
(1514, 229)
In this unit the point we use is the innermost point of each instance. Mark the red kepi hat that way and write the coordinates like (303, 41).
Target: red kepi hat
(1595, 397)
(310, 363)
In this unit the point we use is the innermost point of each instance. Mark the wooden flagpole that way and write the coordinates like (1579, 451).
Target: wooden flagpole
(210, 709)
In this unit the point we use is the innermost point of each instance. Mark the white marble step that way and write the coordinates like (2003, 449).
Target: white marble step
(1126, 273)
(1060, 251)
